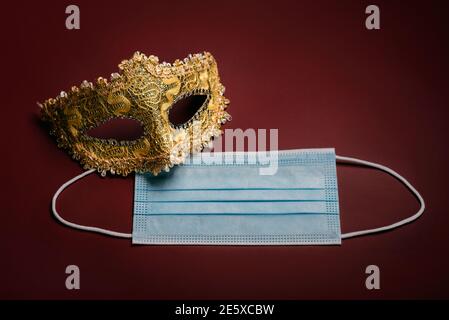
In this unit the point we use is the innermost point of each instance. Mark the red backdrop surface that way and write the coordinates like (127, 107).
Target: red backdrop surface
(310, 69)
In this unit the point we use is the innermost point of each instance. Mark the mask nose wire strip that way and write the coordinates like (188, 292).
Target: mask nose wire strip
(75, 225)
(397, 176)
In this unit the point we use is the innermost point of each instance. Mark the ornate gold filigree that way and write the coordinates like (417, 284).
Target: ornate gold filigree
(144, 90)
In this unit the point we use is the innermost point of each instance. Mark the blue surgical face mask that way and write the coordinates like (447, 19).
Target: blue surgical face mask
(241, 199)
(230, 202)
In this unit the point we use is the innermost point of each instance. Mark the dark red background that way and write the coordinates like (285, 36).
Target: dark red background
(310, 69)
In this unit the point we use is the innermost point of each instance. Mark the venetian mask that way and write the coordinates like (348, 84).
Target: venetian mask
(144, 90)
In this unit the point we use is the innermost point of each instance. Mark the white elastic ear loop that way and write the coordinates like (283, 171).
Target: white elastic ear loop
(75, 225)
(397, 176)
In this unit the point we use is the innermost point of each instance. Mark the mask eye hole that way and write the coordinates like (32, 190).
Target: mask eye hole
(185, 109)
(119, 129)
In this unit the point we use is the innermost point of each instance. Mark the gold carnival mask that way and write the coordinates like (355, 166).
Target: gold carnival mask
(144, 90)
